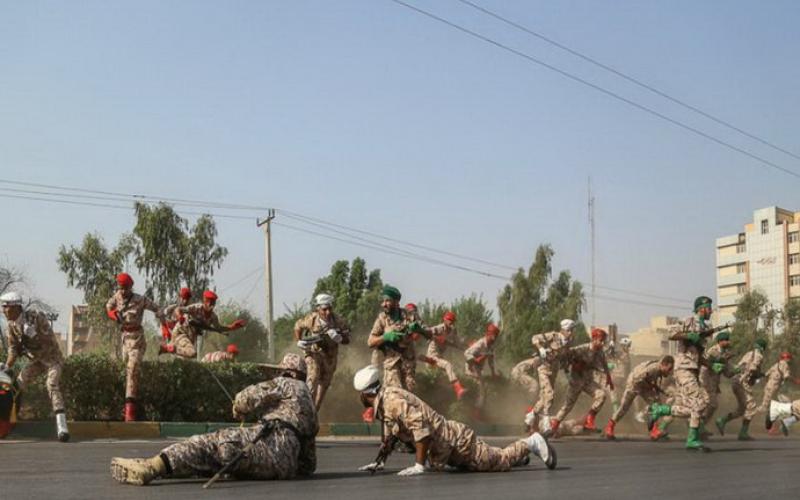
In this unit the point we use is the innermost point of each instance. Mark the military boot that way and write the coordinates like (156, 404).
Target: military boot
(721, 422)
(693, 442)
(138, 471)
(657, 410)
(743, 432)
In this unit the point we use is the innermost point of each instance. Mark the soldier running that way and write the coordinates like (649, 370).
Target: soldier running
(551, 347)
(319, 335)
(644, 382)
(171, 317)
(477, 355)
(30, 334)
(619, 363)
(439, 443)
(749, 372)
(127, 309)
(441, 336)
(584, 361)
(778, 373)
(229, 354)
(391, 334)
(198, 318)
(288, 449)
(524, 373)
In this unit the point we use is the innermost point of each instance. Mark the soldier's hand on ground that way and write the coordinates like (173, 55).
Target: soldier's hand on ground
(374, 466)
(414, 470)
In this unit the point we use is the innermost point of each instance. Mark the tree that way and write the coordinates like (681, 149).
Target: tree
(356, 292)
(750, 309)
(533, 303)
(472, 315)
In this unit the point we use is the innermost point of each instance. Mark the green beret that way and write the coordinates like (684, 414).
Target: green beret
(702, 301)
(761, 343)
(723, 336)
(390, 292)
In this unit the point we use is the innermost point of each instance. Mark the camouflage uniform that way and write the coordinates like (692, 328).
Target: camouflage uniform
(776, 376)
(474, 367)
(286, 452)
(197, 319)
(584, 362)
(218, 356)
(437, 347)
(524, 373)
(710, 380)
(548, 369)
(321, 357)
(644, 382)
(451, 443)
(134, 344)
(400, 359)
(692, 398)
(31, 335)
(619, 364)
(750, 366)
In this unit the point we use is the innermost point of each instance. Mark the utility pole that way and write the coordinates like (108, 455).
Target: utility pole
(267, 225)
(591, 229)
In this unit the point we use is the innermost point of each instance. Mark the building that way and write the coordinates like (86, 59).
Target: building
(79, 334)
(653, 341)
(765, 256)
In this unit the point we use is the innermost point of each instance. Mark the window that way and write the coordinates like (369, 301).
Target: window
(764, 226)
(740, 289)
(793, 237)
(794, 258)
(742, 267)
(741, 248)
(794, 280)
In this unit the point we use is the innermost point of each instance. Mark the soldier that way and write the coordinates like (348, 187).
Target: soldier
(441, 336)
(284, 409)
(477, 355)
(439, 443)
(644, 382)
(778, 373)
(229, 354)
(716, 363)
(551, 347)
(691, 335)
(619, 363)
(391, 333)
(524, 374)
(319, 335)
(198, 318)
(127, 309)
(787, 412)
(749, 372)
(30, 334)
(584, 360)
(170, 315)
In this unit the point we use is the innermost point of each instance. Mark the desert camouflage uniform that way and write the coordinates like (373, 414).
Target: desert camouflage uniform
(524, 373)
(776, 376)
(710, 380)
(400, 360)
(437, 347)
(584, 362)
(474, 368)
(451, 443)
(197, 319)
(134, 344)
(217, 356)
(282, 454)
(31, 335)
(644, 382)
(321, 357)
(548, 369)
(750, 372)
(619, 364)
(692, 398)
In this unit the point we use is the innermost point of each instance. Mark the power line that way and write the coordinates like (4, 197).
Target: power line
(629, 78)
(242, 279)
(598, 88)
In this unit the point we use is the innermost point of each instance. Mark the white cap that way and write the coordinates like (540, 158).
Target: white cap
(323, 299)
(625, 341)
(11, 299)
(366, 378)
(567, 324)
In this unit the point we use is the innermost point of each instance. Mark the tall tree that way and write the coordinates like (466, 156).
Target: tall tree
(356, 291)
(472, 315)
(748, 325)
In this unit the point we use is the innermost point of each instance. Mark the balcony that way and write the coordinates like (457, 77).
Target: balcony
(729, 260)
(728, 300)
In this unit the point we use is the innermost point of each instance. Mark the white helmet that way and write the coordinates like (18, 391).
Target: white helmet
(323, 299)
(567, 324)
(366, 378)
(625, 341)
(11, 299)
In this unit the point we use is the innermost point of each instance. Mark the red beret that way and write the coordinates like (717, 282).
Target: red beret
(209, 295)
(449, 316)
(124, 279)
(232, 349)
(492, 330)
(186, 293)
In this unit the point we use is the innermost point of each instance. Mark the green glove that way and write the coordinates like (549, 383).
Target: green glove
(737, 370)
(693, 337)
(415, 327)
(717, 367)
(392, 336)
(611, 366)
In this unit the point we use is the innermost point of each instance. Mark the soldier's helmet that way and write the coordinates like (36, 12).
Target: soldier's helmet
(11, 299)
(293, 362)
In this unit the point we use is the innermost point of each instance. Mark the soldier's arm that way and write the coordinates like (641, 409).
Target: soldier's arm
(158, 311)
(472, 351)
(300, 326)
(255, 397)
(409, 417)
(375, 338)
(344, 329)
(14, 350)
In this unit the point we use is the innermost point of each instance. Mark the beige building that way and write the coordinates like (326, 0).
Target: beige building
(764, 256)
(653, 340)
(79, 334)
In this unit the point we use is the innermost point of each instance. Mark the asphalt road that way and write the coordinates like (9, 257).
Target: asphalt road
(588, 469)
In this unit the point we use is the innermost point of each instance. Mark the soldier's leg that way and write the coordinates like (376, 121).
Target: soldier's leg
(133, 349)
(598, 395)
(741, 400)
(627, 400)
(769, 393)
(485, 458)
(313, 374)
(574, 390)
(329, 361)
(184, 347)
(521, 376)
(546, 394)
(392, 376)
(448, 369)
(750, 402)
(376, 358)
(26, 376)
(53, 386)
(691, 395)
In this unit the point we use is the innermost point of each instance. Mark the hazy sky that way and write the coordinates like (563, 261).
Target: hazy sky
(374, 116)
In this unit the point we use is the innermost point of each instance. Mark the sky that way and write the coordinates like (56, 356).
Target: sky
(370, 115)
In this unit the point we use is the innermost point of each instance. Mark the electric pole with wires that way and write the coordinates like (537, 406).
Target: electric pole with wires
(267, 225)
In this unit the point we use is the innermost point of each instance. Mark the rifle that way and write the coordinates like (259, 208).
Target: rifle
(266, 427)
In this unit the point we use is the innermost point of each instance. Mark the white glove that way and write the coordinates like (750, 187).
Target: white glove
(302, 344)
(611, 344)
(374, 466)
(334, 335)
(414, 470)
(542, 353)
